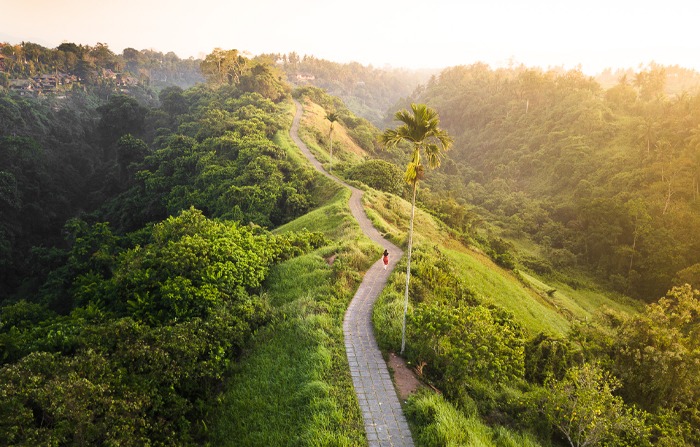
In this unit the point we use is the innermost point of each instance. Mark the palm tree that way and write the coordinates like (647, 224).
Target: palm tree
(421, 129)
(332, 117)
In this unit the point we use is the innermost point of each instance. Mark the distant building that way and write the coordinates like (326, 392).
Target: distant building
(305, 77)
(24, 87)
(47, 82)
(50, 82)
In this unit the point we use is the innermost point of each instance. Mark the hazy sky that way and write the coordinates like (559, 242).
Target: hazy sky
(409, 33)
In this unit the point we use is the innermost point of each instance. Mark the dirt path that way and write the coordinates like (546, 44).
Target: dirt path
(385, 424)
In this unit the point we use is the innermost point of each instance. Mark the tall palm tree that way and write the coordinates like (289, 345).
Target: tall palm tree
(421, 129)
(332, 117)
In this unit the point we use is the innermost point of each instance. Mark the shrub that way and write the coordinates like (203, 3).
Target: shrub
(380, 175)
(467, 342)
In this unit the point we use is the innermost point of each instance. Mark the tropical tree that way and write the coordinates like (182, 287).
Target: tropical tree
(421, 129)
(332, 117)
(586, 411)
(223, 66)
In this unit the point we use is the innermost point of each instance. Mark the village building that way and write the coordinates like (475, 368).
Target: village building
(24, 87)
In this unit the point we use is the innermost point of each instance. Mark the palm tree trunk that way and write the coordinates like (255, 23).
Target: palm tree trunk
(408, 266)
(330, 137)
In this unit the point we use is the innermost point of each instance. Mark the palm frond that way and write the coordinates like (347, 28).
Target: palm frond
(434, 155)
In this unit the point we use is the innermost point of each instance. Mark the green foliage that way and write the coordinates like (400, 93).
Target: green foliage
(120, 116)
(224, 66)
(191, 266)
(657, 353)
(584, 409)
(467, 342)
(607, 181)
(548, 357)
(264, 79)
(127, 383)
(378, 174)
(368, 91)
(654, 355)
(360, 130)
(294, 387)
(173, 101)
(421, 130)
(228, 167)
(97, 66)
(164, 312)
(437, 423)
(146, 371)
(500, 251)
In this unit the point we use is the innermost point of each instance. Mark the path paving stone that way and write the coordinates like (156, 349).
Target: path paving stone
(385, 423)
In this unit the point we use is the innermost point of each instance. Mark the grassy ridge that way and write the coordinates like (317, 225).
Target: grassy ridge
(294, 387)
(314, 130)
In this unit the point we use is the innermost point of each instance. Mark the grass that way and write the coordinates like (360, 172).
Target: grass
(293, 386)
(439, 423)
(333, 219)
(523, 294)
(314, 129)
(495, 285)
(580, 303)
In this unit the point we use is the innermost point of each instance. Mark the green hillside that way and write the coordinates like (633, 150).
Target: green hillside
(603, 180)
(173, 272)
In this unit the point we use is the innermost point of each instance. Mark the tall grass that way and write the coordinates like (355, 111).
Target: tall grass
(293, 387)
(437, 423)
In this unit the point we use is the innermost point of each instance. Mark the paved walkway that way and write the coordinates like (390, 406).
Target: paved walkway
(385, 423)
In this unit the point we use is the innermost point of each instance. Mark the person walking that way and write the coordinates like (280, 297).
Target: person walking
(385, 258)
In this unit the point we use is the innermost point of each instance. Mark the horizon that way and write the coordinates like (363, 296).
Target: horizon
(545, 33)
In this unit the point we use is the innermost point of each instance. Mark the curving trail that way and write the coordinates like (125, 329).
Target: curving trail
(384, 420)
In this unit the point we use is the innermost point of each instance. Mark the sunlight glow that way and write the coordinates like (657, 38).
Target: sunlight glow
(591, 35)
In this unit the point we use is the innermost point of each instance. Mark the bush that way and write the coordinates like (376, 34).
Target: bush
(380, 175)
(466, 342)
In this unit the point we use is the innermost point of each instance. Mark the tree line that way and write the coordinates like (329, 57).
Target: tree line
(27, 60)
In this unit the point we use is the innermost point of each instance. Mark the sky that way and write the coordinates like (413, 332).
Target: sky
(590, 35)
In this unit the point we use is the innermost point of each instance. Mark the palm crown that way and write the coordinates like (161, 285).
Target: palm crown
(421, 128)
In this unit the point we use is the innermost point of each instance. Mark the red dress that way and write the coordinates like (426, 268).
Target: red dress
(386, 259)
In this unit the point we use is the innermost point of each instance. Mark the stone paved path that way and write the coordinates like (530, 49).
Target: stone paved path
(385, 423)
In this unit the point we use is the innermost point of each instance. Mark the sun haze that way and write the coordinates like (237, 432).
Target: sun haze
(591, 35)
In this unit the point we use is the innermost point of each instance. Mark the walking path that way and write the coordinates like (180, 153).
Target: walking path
(385, 423)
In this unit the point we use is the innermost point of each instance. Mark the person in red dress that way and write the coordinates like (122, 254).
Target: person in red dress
(386, 259)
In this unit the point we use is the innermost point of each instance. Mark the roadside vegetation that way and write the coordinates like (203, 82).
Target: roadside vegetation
(293, 386)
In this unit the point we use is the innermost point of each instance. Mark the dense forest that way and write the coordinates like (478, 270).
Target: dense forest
(605, 180)
(128, 283)
(143, 289)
